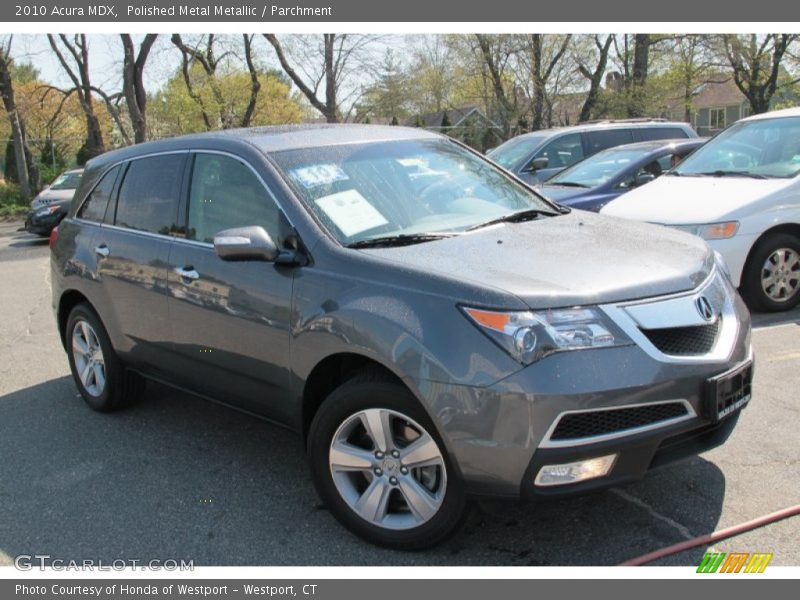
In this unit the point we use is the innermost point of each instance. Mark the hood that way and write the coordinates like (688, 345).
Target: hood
(686, 200)
(572, 259)
(558, 193)
(47, 196)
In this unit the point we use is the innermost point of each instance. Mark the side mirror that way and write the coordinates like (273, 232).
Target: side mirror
(643, 178)
(245, 243)
(539, 163)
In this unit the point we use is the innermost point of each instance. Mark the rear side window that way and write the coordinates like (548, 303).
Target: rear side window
(661, 133)
(148, 197)
(225, 193)
(562, 152)
(94, 209)
(607, 138)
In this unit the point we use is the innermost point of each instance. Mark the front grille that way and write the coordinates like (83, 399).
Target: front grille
(604, 422)
(685, 341)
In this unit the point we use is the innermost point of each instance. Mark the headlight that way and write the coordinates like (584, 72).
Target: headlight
(711, 231)
(47, 210)
(531, 335)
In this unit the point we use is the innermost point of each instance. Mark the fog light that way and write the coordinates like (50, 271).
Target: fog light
(575, 471)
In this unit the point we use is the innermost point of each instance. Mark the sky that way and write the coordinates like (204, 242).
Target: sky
(105, 57)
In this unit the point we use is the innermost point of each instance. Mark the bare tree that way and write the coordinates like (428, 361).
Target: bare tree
(321, 67)
(496, 53)
(209, 61)
(543, 54)
(594, 75)
(756, 63)
(27, 172)
(255, 84)
(132, 82)
(78, 71)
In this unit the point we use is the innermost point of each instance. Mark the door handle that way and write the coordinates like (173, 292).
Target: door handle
(102, 250)
(187, 273)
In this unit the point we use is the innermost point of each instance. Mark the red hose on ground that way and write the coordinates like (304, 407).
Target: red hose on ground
(716, 536)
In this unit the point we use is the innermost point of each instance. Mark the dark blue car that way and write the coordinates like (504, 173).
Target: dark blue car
(592, 183)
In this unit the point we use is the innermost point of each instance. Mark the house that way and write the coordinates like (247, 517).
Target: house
(717, 104)
(468, 124)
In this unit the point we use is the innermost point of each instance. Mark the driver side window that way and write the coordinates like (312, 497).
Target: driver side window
(225, 193)
(562, 152)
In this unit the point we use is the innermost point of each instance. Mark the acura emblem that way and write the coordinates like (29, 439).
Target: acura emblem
(704, 308)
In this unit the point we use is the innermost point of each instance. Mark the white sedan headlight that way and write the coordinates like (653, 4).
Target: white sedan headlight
(711, 231)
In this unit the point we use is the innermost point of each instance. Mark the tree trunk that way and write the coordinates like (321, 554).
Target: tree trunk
(595, 78)
(641, 59)
(133, 84)
(27, 173)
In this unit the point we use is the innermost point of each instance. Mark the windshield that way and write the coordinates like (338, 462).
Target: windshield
(598, 169)
(761, 148)
(511, 154)
(67, 181)
(406, 188)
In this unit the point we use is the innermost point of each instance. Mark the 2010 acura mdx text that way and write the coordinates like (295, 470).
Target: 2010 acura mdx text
(433, 328)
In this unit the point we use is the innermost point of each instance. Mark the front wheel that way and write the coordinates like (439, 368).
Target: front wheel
(771, 279)
(379, 466)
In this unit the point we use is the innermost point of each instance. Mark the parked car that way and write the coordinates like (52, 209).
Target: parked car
(595, 181)
(536, 157)
(52, 203)
(431, 327)
(741, 193)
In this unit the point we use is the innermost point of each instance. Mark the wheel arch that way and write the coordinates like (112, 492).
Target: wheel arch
(787, 228)
(68, 300)
(331, 372)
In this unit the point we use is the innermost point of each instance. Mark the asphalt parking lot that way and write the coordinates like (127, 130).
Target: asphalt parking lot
(179, 478)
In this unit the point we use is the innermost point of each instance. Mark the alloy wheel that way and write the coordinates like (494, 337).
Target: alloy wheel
(780, 275)
(388, 469)
(88, 356)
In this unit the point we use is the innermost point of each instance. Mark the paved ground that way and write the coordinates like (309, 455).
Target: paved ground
(176, 477)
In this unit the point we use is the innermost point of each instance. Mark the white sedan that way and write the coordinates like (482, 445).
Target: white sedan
(741, 193)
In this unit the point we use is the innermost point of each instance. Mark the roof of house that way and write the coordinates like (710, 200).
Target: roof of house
(720, 91)
(456, 116)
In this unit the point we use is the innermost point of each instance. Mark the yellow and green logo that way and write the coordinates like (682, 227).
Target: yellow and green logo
(734, 562)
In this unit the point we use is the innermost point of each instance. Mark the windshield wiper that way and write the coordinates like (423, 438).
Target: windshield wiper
(721, 173)
(517, 217)
(568, 184)
(403, 239)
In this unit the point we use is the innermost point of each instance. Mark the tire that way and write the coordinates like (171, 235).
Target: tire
(779, 256)
(99, 375)
(436, 490)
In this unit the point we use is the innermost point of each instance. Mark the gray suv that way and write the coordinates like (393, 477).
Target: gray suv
(432, 328)
(536, 157)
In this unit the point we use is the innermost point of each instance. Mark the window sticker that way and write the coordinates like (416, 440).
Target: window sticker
(316, 175)
(351, 212)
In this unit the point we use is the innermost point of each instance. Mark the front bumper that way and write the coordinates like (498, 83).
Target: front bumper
(499, 436)
(42, 225)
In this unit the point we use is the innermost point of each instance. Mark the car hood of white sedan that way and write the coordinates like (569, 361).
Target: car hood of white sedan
(685, 200)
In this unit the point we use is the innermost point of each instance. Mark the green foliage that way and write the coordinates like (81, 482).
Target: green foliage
(395, 121)
(12, 204)
(446, 120)
(224, 96)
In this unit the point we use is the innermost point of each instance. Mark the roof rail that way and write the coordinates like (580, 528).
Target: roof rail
(636, 120)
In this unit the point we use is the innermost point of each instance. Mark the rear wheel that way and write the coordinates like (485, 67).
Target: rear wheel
(771, 280)
(100, 376)
(381, 469)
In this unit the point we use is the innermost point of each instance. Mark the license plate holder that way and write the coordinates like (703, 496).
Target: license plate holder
(729, 392)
